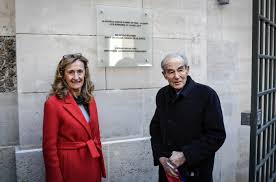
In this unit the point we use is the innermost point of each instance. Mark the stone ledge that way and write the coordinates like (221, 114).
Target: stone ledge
(7, 164)
(29, 165)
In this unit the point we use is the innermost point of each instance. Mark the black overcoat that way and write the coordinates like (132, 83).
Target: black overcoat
(191, 122)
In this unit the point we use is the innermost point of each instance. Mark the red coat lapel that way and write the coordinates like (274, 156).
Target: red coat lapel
(72, 107)
(93, 117)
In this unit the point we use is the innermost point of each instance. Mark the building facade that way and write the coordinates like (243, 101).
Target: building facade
(34, 34)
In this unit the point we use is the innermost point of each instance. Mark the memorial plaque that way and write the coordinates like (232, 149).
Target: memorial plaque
(124, 37)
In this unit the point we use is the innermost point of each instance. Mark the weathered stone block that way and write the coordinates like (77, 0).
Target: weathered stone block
(120, 113)
(29, 165)
(178, 23)
(56, 17)
(217, 167)
(7, 64)
(7, 18)
(222, 64)
(214, 21)
(243, 150)
(148, 108)
(223, 69)
(7, 164)
(131, 161)
(8, 119)
(30, 110)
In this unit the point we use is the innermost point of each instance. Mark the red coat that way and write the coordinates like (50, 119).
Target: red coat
(71, 147)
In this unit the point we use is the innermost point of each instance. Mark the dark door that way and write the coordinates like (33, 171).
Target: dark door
(262, 166)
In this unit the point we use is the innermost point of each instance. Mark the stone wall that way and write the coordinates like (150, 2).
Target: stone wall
(218, 47)
(8, 108)
(229, 72)
(8, 92)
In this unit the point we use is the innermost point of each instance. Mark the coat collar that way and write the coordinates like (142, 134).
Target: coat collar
(71, 106)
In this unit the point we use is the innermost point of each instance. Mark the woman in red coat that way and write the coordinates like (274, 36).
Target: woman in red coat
(71, 139)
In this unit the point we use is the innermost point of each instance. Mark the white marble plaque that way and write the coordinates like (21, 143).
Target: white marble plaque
(124, 37)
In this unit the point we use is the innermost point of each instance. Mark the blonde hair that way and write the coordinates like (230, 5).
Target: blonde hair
(60, 87)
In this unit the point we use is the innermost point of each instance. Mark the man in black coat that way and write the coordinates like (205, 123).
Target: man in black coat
(187, 127)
